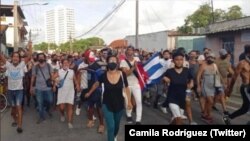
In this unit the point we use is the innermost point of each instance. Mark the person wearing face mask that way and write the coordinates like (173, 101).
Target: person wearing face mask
(66, 92)
(94, 71)
(41, 86)
(113, 99)
(206, 85)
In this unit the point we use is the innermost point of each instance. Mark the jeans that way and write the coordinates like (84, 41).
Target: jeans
(112, 121)
(45, 100)
(15, 97)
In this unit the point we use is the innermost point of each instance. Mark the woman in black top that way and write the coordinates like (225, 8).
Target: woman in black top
(113, 99)
(180, 82)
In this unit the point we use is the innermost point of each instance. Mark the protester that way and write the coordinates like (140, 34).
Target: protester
(113, 99)
(15, 72)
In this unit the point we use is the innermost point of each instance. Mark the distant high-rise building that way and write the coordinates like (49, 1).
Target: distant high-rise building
(59, 25)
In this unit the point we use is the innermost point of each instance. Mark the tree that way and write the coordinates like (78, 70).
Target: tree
(204, 16)
(234, 12)
(42, 47)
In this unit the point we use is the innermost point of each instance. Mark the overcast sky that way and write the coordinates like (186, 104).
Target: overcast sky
(155, 15)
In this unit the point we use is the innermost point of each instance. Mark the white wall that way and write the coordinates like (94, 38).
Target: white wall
(10, 31)
(150, 42)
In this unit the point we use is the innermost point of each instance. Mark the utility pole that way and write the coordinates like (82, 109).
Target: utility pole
(30, 43)
(212, 5)
(70, 43)
(137, 24)
(0, 28)
(15, 14)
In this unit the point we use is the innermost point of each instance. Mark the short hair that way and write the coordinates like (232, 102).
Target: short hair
(16, 52)
(247, 48)
(176, 54)
(41, 54)
(110, 56)
(166, 51)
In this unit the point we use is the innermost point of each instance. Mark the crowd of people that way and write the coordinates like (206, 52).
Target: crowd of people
(107, 82)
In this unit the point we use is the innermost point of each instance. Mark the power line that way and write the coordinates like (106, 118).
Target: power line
(108, 21)
(157, 16)
(106, 17)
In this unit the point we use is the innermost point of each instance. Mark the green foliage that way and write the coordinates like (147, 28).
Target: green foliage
(205, 16)
(234, 13)
(77, 45)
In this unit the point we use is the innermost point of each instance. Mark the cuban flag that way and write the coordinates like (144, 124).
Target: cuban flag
(152, 71)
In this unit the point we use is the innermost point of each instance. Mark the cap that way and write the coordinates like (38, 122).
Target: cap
(223, 52)
(75, 54)
(210, 54)
(201, 58)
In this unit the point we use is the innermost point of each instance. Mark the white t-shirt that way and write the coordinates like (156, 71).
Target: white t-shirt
(132, 79)
(15, 75)
(166, 63)
(57, 66)
(84, 76)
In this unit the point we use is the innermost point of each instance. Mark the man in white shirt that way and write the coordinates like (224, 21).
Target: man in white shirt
(128, 66)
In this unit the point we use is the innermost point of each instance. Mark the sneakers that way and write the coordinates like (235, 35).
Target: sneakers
(62, 118)
(183, 117)
(14, 124)
(193, 123)
(129, 120)
(90, 123)
(208, 120)
(94, 118)
(70, 126)
(226, 113)
(164, 109)
(138, 123)
(78, 110)
(115, 138)
(50, 114)
(101, 129)
(19, 130)
(40, 120)
(215, 108)
(226, 119)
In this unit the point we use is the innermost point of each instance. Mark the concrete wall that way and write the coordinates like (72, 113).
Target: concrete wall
(150, 42)
(241, 38)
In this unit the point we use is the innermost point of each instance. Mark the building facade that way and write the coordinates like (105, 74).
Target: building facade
(168, 39)
(231, 35)
(7, 19)
(59, 25)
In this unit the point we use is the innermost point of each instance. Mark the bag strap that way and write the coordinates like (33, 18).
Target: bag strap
(42, 72)
(122, 80)
(66, 75)
(130, 66)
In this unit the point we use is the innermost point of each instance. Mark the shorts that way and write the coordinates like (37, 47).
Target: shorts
(95, 99)
(219, 90)
(15, 97)
(176, 110)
